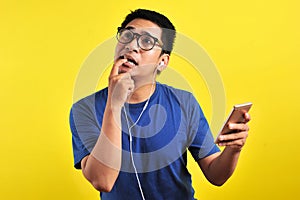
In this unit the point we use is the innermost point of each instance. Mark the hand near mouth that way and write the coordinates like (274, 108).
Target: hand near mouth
(128, 65)
(121, 85)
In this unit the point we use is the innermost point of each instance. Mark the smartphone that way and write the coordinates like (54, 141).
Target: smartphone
(236, 116)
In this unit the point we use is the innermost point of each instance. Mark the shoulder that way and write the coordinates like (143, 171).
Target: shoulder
(101, 94)
(91, 101)
(180, 94)
(185, 99)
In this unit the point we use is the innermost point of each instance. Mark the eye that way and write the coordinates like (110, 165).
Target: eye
(126, 35)
(147, 40)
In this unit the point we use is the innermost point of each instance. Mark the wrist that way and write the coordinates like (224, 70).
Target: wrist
(233, 149)
(114, 106)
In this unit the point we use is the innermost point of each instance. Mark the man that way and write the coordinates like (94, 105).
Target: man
(131, 139)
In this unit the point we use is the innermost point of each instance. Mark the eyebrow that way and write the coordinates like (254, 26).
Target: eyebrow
(142, 32)
(129, 27)
(145, 32)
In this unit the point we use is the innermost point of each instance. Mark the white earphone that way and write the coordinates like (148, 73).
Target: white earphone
(161, 64)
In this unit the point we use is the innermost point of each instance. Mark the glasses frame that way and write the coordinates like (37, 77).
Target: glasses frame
(138, 36)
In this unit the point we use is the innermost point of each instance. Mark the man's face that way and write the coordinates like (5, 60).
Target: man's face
(141, 63)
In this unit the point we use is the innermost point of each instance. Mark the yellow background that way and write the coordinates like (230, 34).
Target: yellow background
(254, 44)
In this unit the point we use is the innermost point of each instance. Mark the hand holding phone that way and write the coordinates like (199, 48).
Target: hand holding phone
(236, 116)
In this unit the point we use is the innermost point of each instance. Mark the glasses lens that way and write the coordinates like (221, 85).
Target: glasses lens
(125, 36)
(146, 42)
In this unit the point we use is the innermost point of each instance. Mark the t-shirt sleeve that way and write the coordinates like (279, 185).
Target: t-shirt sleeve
(203, 142)
(84, 127)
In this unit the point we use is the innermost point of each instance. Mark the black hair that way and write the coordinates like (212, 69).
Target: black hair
(168, 29)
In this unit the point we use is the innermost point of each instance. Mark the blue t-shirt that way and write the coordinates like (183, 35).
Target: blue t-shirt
(171, 123)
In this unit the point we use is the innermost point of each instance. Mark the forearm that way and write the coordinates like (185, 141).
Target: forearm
(102, 167)
(223, 166)
(220, 168)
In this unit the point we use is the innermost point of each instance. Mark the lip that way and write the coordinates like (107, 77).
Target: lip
(126, 67)
(130, 59)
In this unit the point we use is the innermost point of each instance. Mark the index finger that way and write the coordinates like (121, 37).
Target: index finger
(115, 68)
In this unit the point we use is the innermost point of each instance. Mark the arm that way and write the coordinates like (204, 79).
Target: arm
(101, 168)
(218, 167)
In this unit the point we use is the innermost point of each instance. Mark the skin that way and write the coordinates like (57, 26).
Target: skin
(218, 167)
(133, 84)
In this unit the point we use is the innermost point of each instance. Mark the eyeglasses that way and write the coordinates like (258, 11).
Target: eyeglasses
(144, 41)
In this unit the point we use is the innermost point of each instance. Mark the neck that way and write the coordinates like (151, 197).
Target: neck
(142, 93)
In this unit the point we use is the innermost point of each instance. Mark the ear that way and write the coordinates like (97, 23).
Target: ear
(163, 62)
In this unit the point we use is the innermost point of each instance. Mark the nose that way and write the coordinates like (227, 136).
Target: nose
(133, 45)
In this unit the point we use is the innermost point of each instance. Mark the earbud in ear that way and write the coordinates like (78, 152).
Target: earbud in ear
(160, 65)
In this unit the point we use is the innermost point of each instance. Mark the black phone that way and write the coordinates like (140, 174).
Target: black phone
(236, 116)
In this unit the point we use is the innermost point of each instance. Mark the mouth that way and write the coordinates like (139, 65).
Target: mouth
(130, 60)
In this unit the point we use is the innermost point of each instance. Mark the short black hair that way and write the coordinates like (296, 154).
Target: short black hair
(168, 29)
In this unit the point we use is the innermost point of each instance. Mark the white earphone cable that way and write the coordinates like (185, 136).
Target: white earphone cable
(130, 134)
(130, 140)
